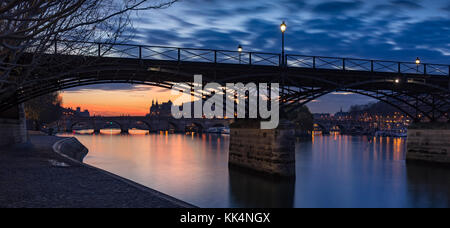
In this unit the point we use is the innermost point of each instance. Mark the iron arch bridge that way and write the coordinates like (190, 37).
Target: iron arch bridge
(421, 91)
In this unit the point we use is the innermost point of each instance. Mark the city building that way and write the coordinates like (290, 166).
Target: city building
(341, 115)
(161, 110)
(322, 116)
(77, 112)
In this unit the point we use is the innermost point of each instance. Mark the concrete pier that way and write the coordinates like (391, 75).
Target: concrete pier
(429, 142)
(13, 129)
(265, 151)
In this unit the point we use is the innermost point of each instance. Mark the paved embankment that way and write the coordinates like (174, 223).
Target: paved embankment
(31, 176)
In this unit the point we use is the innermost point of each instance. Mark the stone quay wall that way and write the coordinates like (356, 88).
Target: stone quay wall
(71, 148)
(13, 130)
(266, 151)
(429, 145)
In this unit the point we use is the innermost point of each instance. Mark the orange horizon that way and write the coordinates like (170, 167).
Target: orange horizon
(135, 102)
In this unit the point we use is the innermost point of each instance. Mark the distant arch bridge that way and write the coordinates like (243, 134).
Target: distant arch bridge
(126, 123)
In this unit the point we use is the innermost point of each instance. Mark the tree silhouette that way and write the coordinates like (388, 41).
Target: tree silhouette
(31, 29)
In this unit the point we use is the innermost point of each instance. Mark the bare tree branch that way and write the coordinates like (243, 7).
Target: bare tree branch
(32, 28)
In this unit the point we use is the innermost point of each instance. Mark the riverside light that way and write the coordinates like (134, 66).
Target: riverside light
(240, 48)
(397, 81)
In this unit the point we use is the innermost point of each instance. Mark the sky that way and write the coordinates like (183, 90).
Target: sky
(384, 29)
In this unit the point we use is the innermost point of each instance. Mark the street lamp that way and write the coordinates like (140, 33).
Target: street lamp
(418, 63)
(240, 51)
(283, 28)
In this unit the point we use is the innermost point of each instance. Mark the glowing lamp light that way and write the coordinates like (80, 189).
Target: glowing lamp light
(417, 61)
(240, 48)
(283, 27)
(397, 81)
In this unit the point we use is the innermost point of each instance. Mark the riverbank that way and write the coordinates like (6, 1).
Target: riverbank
(34, 176)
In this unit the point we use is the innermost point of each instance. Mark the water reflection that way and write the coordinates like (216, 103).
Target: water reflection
(430, 185)
(259, 191)
(331, 171)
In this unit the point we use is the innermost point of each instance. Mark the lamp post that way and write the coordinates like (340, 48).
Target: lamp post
(417, 63)
(283, 28)
(240, 52)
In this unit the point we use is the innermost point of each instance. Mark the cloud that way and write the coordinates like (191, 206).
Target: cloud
(382, 29)
(294, 5)
(446, 8)
(160, 37)
(337, 7)
(114, 87)
(406, 4)
(332, 103)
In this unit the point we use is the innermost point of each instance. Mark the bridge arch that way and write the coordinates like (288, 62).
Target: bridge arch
(411, 104)
(339, 127)
(218, 125)
(72, 125)
(101, 123)
(134, 123)
(176, 127)
(195, 126)
(405, 92)
(320, 126)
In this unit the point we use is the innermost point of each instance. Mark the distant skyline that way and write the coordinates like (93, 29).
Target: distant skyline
(385, 29)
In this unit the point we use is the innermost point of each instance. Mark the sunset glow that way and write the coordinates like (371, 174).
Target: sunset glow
(134, 102)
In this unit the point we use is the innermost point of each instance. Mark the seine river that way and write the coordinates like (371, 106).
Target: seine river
(332, 171)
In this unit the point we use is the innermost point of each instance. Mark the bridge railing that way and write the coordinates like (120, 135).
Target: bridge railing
(252, 58)
(352, 64)
(171, 53)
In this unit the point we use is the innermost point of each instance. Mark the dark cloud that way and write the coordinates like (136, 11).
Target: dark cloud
(294, 5)
(407, 4)
(247, 10)
(447, 8)
(337, 7)
(106, 87)
(117, 87)
(211, 12)
(384, 29)
(160, 37)
(219, 40)
(337, 24)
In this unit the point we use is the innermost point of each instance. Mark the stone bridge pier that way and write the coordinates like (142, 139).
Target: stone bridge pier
(13, 129)
(266, 151)
(429, 142)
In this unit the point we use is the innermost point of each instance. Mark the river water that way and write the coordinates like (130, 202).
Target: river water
(332, 171)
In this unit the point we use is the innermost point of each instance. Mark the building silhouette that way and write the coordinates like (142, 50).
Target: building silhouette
(161, 110)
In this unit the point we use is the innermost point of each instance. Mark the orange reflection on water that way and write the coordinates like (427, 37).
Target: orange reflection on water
(110, 131)
(194, 168)
(141, 155)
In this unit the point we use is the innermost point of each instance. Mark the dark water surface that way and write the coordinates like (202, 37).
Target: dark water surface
(332, 171)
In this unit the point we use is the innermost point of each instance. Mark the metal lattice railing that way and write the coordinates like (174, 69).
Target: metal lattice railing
(251, 58)
(350, 64)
